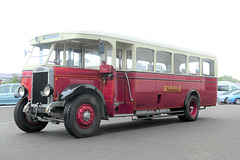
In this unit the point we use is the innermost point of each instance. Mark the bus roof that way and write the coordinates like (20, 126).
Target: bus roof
(61, 36)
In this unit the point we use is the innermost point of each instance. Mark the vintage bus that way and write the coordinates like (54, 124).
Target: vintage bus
(80, 79)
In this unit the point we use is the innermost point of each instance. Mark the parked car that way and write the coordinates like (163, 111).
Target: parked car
(224, 86)
(223, 97)
(235, 98)
(7, 93)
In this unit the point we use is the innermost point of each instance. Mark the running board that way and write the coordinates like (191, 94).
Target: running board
(204, 107)
(159, 116)
(146, 114)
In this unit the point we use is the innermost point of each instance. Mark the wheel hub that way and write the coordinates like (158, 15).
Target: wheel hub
(85, 116)
(30, 119)
(193, 108)
(237, 101)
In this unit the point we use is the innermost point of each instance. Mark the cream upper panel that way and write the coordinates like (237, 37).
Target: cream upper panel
(125, 54)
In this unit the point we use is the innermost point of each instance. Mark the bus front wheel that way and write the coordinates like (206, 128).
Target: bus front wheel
(25, 122)
(82, 116)
(191, 109)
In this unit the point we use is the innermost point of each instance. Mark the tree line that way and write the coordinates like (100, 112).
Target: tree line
(14, 80)
(228, 78)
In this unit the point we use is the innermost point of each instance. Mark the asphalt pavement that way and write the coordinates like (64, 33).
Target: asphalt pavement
(215, 135)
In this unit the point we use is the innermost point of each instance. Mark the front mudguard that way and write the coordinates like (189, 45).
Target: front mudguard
(75, 90)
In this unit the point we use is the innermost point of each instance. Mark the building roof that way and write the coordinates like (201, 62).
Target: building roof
(9, 75)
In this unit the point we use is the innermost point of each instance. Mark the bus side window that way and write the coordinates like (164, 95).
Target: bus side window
(193, 65)
(129, 60)
(208, 67)
(180, 64)
(119, 59)
(56, 57)
(77, 58)
(144, 59)
(70, 57)
(73, 56)
(164, 60)
(108, 49)
(91, 56)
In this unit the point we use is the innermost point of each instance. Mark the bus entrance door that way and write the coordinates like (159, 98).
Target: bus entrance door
(107, 86)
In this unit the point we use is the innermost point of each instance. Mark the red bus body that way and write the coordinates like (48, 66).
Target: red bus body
(149, 90)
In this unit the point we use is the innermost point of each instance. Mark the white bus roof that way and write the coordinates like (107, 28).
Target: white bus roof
(60, 36)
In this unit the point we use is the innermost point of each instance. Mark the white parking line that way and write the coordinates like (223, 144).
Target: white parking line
(7, 106)
(1, 124)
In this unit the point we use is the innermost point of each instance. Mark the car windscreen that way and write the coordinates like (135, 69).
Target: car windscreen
(223, 88)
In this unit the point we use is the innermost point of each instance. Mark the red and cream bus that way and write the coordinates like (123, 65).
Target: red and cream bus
(81, 78)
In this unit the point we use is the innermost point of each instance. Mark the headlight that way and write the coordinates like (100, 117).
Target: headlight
(47, 91)
(21, 92)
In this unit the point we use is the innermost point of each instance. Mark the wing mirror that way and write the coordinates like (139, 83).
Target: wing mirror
(100, 47)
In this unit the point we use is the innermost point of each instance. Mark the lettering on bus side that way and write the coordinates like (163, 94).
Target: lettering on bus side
(172, 88)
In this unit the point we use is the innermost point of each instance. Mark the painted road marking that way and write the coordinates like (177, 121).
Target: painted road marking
(1, 124)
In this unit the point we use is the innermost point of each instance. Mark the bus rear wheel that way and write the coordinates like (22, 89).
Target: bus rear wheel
(191, 109)
(82, 116)
(25, 122)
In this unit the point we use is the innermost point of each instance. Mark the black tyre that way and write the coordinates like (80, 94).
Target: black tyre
(82, 116)
(237, 101)
(25, 122)
(191, 109)
(225, 100)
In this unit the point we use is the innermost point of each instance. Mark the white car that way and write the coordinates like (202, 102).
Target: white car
(224, 86)
(223, 97)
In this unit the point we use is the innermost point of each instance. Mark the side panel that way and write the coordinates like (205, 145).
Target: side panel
(121, 93)
(145, 95)
(64, 77)
(172, 89)
(209, 91)
(152, 91)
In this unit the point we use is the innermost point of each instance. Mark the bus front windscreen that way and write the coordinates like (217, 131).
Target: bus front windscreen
(38, 55)
(69, 55)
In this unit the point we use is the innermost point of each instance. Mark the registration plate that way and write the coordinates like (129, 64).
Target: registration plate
(39, 109)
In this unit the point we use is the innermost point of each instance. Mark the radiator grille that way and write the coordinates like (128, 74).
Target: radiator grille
(40, 80)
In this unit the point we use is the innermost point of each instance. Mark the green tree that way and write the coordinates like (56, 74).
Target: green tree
(228, 78)
(14, 80)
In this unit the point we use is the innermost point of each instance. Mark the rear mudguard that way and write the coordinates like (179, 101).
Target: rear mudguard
(194, 92)
(74, 90)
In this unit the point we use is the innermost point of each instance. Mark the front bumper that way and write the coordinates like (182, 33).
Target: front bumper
(52, 112)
